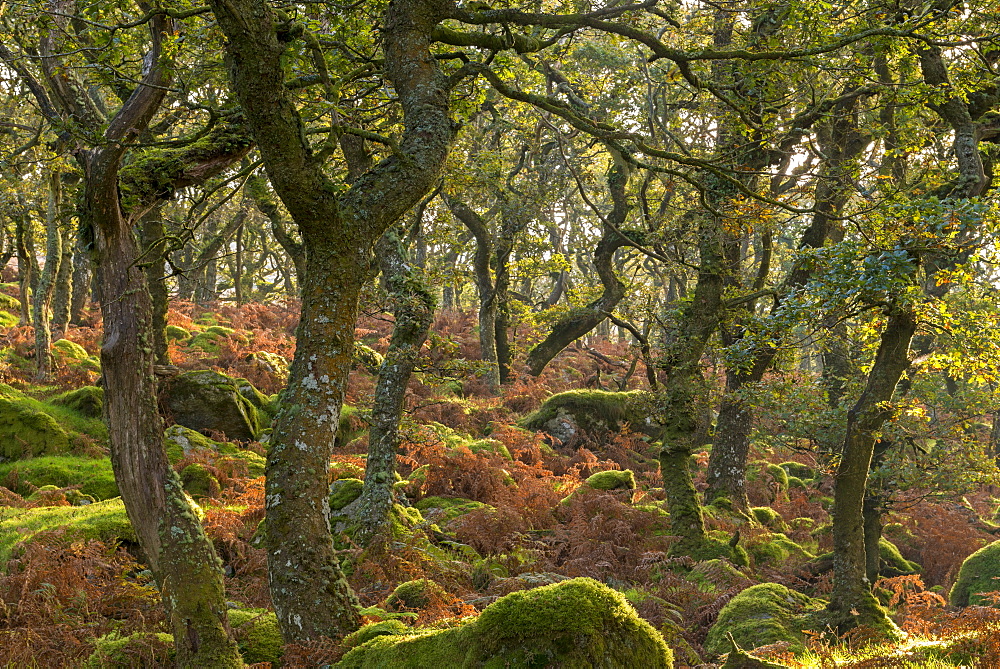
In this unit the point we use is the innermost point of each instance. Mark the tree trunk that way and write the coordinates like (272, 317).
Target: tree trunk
(413, 308)
(178, 552)
(62, 298)
(310, 595)
(487, 289)
(154, 247)
(27, 265)
(579, 322)
(852, 602)
(47, 280)
(83, 275)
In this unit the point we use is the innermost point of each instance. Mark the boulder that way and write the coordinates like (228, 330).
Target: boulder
(27, 433)
(565, 415)
(208, 401)
(181, 442)
(576, 623)
(415, 594)
(87, 401)
(612, 479)
(761, 615)
(980, 573)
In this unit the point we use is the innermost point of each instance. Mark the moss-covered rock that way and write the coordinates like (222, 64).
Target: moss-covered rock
(26, 432)
(415, 594)
(761, 615)
(206, 401)
(367, 357)
(272, 362)
(351, 425)
(143, 649)
(449, 508)
(8, 303)
(344, 491)
(257, 635)
(209, 340)
(893, 561)
(564, 415)
(66, 349)
(775, 548)
(778, 475)
(199, 482)
(105, 521)
(93, 475)
(979, 574)
(612, 479)
(800, 471)
(181, 441)
(574, 624)
(372, 630)
(176, 333)
(87, 401)
(769, 518)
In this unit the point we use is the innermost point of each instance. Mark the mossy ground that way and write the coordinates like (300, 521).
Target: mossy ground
(105, 521)
(93, 475)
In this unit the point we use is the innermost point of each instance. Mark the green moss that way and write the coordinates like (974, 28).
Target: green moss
(612, 479)
(573, 624)
(205, 400)
(93, 475)
(761, 615)
(769, 518)
(891, 558)
(775, 548)
(87, 401)
(489, 446)
(257, 635)
(66, 349)
(779, 475)
(367, 357)
(198, 481)
(979, 574)
(181, 441)
(105, 521)
(796, 482)
(26, 432)
(372, 630)
(450, 507)
(143, 649)
(351, 425)
(344, 491)
(415, 594)
(593, 411)
(799, 470)
(273, 362)
(69, 420)
(8, 303)
(176, 333)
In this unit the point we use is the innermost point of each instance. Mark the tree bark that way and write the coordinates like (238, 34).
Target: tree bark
(413, 309)
(579, 322)
(486, 287)
(47, 280)
(310, 595)
(852, 602)
(179, 554)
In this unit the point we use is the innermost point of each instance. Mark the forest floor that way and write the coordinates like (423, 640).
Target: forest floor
(501, 509)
